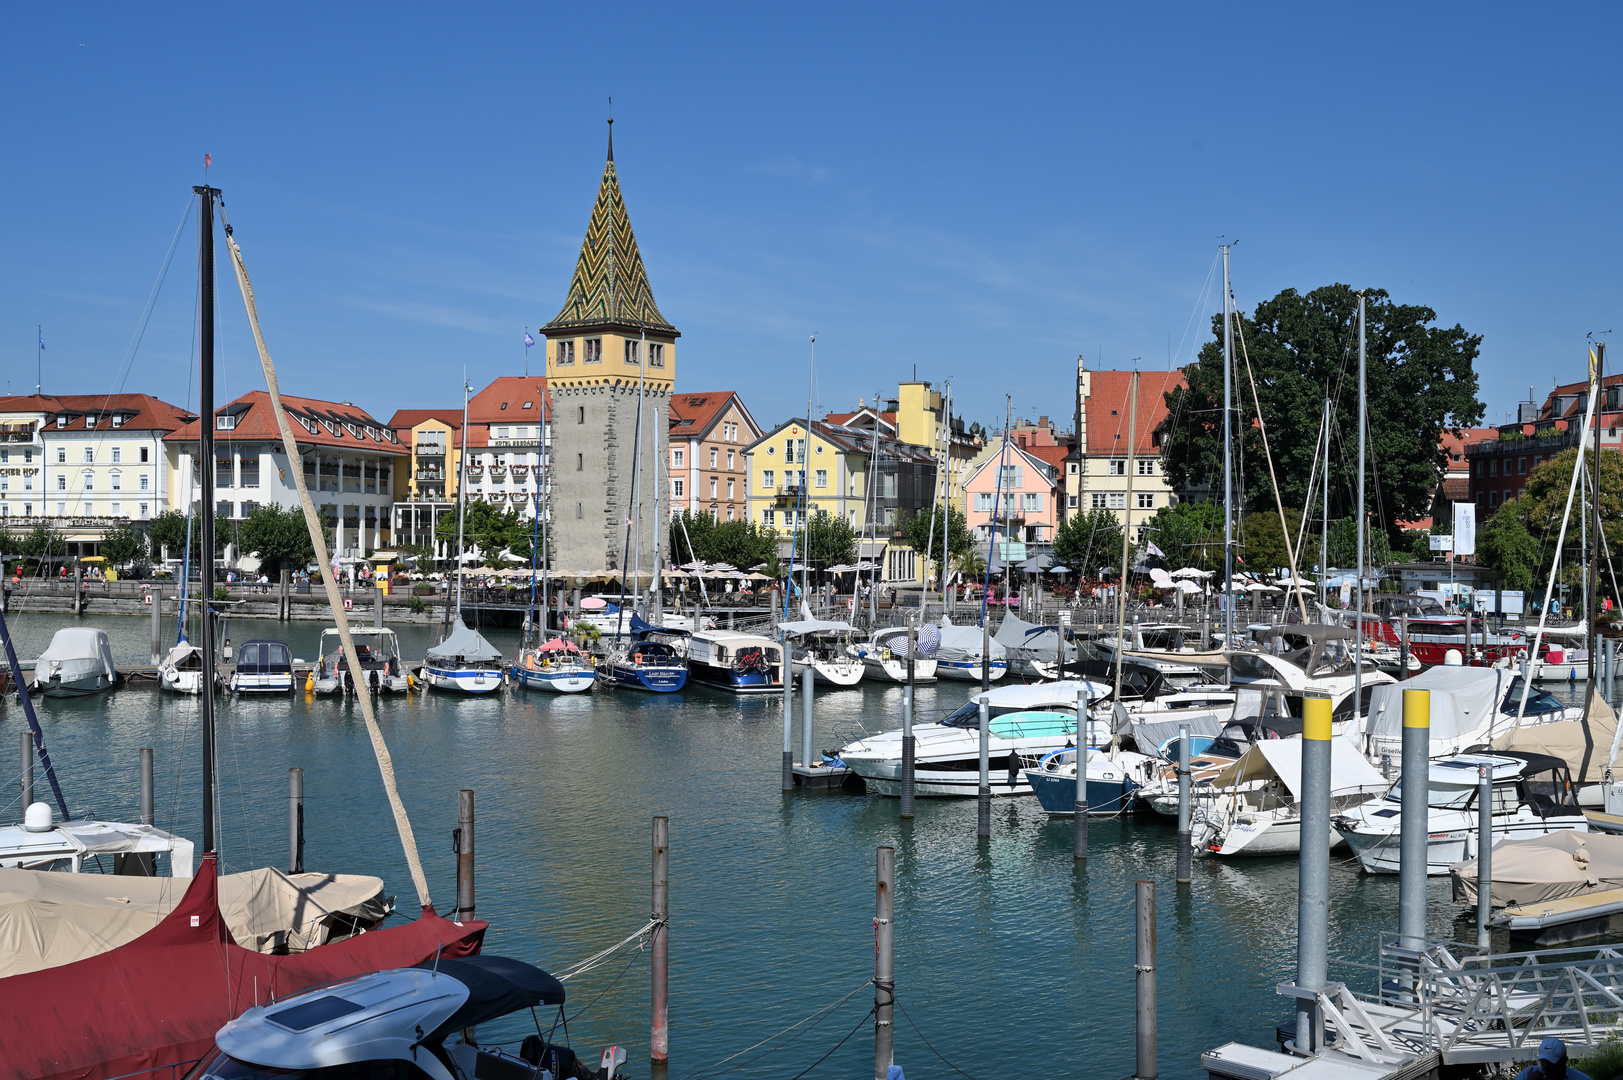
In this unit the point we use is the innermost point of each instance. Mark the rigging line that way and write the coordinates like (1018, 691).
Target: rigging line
(1200, 305)
(578, 1013)
(596, 959)
(824, 1010)
(837, 1045)
(152, 301)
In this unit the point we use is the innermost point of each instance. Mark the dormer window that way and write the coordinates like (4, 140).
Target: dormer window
(118, 419)
(61, 421)
(528, 404)
(90, 422)
(225, 423)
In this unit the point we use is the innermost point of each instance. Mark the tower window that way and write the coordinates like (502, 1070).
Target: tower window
(580, 462)
(566, 352)
(656, 354)
(594, 351)
(582, 418)
(631, 352)
(580, 511)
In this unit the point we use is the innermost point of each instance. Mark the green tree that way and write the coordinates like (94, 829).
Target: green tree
(1420, 378)
(1538, 512)
(1344, 545)
(167, 532)
(923, 532)
(1089, 541)
(492, 530)
(829, 541)
(1504, 543)
(690, 538)
(280, 536)
(122, 545)
(1190, 533)
(1262, 544)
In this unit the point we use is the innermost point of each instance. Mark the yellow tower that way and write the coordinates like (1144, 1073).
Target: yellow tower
(609, 352)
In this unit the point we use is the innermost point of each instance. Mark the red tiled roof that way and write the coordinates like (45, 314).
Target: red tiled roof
(1453, 445)
(404, 420)
(504, 399)
(694, 414)
(1457, 488)
(843, 418)
(1053, 455)
(140, 412)
(1108, 434)
(336, 424)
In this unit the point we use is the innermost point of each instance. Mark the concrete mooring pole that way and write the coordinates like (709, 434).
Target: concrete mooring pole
(156, 627)
(1415, 824)
(78, 589)
(28, 768)
(908, 744)
(148, 796)
(1313, 892)
(659, 1039)
(806, 722)
(295, 821)
(284, 604)
(1148, 1067)
(1185, 840)
(1484, 852)
(884, 962)
(788, 715)
(377, 607)
(983, 813)
(464, 856)
(1079, 801)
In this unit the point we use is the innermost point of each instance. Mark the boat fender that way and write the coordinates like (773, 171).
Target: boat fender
(310, 682)
(411, 684)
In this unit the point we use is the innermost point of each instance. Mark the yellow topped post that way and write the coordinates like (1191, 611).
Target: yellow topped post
(1415, 836)
(1313, 893)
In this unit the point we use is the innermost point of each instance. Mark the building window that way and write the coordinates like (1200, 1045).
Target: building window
(61, 455)
(90, 480)
(116, 480)
(1146, 466)
(1521, 465)
(118, 419)
(222, 509)
(1118, 467)
(566, 352)
(656, 354)
(821, 476)
(730, 487)
(1493, 498)
(90, 455)
(1070, 502)
(28, 457)
(594, 351)
(769, 478)
(115, 510)
(61, 509)
(143, 481)
(225, 423)
(580, 462)
(248, 509)
(144, 455)
(1146, 500)
(712, 487)
(677, 457)
(677, 488)
(631, 352)
(145, 512)
(1070, 467)
(983, 502)
(222, 472)
(1493, 467)
(1033, 502)
(61, 482)
(769, 518)
(729, 513)
(1012, 477)
(250, 472)
(731, 464)
(118, 455)
(502, 433)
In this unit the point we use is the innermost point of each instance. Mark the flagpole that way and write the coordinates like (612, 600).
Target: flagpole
(39, 359)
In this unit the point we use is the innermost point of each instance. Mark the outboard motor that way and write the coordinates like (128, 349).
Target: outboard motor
(609, 1067)
(372, 679)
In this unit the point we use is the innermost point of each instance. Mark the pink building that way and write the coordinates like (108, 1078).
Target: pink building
(1021, 488)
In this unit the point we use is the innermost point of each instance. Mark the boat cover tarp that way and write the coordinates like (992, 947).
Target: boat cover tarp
(497, 985)
(1350, 772)
(557, 644)
(160, 998)
(813, 626)
(1152, 734)
(1463, 700)
(963, 643)
(1585, 754)
(463, 644)
(1031, 640)
(82, 651)
(48, 919)
(184, 657)
(1544, 868)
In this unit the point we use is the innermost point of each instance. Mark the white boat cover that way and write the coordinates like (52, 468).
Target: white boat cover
(963, 643)
(182, 653)
(1463, 700)
(463, 644)
(82, 652)
(813, 626)
(48, 919)
(1565, 739)
(1031, 640)
(1544, 868)
(1350, 772)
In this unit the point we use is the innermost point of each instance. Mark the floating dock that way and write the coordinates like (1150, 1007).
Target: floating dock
(1558, 922)
(825, 777)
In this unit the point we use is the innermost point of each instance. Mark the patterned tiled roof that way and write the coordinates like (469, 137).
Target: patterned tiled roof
(610, 287)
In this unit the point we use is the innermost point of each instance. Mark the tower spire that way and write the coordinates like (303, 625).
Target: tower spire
(611, 129)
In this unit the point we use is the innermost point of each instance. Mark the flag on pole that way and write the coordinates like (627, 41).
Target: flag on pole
(1157, 552)
(42, 339)
(528, 340)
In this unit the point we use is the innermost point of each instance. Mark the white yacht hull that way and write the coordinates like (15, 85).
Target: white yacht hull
(838, 673)
(894, 670)
(463, 680)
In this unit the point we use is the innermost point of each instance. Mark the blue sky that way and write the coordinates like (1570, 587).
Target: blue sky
(983, 192)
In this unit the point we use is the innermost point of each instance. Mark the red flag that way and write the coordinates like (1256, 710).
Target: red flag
(207, 160)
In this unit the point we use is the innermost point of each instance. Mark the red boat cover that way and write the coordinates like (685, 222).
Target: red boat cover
(160, 998)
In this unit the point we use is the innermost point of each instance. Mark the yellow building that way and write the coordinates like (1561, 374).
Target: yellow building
(919, 416)
(425, 486)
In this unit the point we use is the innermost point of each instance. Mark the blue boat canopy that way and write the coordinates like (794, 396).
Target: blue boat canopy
(497, 985)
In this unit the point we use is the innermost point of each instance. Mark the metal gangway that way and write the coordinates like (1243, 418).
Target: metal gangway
(1452, 1003)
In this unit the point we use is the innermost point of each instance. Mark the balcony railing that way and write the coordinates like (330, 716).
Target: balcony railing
(18, 437)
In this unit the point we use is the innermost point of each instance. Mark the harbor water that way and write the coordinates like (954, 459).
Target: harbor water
(1008, 957)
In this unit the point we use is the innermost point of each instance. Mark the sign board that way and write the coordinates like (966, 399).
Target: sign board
(1442, 543)
(146, 598)
(1065, 618)
(1012, 550)
(349, 605)
(1464, 528)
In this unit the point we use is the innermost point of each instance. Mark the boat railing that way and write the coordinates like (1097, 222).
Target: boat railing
(174, 1069)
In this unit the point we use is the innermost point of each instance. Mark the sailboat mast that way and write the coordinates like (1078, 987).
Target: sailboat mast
(1324, 525)
(1228, 458)
(1126, 534)
(1597, 533)
(811, 393)
(205, 454)
(462, 492)
(946, 499)
(1363, 404)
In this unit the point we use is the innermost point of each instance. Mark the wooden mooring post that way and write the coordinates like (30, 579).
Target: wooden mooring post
(295, 821)
(464, 856)
(284, 601)
(659, 1038)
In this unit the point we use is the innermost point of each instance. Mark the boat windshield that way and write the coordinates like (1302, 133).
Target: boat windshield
(1442, 796)
(969, 715)
(222, 1066)
(1539, 702)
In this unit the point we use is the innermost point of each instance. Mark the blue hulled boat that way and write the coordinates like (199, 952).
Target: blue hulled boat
(741, 663)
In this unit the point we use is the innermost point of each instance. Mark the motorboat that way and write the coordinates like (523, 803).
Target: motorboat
(1433, 637)
(961, 657)
(405, 1022)
(378, 650)
(181, 669)
(1025, 722)
(558, 665)
(1314, 659)
(1470, 707)
(1261, 713)
(1541, 869)
(1253, 808)
(884, 657)
(49, 920)
(1112, 778)
(89, 846)
(824, 646)
(1203, 708)
(78, 662)
(1532, 796)
(263, 667)
(463, 662)
(741, 663)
